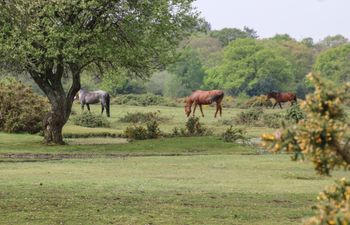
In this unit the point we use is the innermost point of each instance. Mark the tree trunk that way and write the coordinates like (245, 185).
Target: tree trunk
(53, 124)
(61, 102)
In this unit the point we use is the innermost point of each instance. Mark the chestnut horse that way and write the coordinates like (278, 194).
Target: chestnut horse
(204, 98)
(282, 97)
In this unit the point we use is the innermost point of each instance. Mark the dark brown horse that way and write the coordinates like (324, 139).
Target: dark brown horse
(282, 97)
(204, 98)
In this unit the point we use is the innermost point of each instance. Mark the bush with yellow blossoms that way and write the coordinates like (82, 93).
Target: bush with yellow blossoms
(334, 205)
(322, 137)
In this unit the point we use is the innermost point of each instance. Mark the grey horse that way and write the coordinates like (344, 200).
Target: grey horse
(93, 97)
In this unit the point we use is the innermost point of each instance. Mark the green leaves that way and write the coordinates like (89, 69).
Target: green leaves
(130, 34)
(334, 64)
(249, 66)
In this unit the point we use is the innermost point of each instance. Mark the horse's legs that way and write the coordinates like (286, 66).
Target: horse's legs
(88, 107)
(220, 110)
(274, 105)
(200, 107)
(102, 108)
(194, 109)
(217, 110)
(82, 107)
(280, 105)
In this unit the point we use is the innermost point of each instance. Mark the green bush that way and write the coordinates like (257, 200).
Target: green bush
(136, 132)
(21, 110)
(294, 113)
(258, 101)
(141, 117)
(250, 117)
(87, 119)
(153, 130)
(234, 134)
(192, 128)
(139, 132)
(273, 120)
(142, 100)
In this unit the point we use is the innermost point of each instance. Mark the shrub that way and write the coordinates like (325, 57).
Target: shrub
(249, 117)
(194, 127)
(258, 101)
(234, 134)
(21, 110)
(142, 100)
(294, 113)
(141, 117)
(228, 102)
(136, 132)
(87, 119)
(273, 120)
(334, 205)
(153, 130)
(139, 132)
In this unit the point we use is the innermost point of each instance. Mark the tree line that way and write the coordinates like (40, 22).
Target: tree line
(241, 63)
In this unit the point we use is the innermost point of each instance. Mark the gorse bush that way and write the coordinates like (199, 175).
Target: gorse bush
(21, 110)
(234, 134)
(334, 205)
(324, 138)
(294, 113)
(142, 100)
(258, 101)
(141, 117)
(249, 117)
(194, 127)
(139, 132)
(87, 119)
(273, 120)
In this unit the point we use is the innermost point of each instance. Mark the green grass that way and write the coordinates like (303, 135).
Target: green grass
(222, 189)
(175, 118)
(175, 146)
(184, 180)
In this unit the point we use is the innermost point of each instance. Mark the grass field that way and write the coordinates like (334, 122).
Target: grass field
(193, 180)
(175, 118)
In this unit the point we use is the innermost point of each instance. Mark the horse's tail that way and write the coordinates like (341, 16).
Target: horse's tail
(108, 100)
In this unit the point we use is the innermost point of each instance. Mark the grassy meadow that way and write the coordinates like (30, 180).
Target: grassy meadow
(183, 180)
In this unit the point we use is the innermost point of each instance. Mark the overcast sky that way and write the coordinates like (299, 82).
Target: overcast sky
(298, 18)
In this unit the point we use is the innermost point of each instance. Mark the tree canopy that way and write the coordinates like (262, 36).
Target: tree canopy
(250, 67)
(51, 38)
(334, 64)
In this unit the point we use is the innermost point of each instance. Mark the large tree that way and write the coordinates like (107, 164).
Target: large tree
(334, 64)
(52, 38)
(250, 67)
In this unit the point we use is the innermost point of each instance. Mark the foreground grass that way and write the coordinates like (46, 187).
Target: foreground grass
(222, 189)
(31, 144)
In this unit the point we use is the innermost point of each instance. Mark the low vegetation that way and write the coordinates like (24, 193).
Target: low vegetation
(234, 134)
(142, 100)
(21, 110)
(142, 117)
(87, 119)
(139, 132)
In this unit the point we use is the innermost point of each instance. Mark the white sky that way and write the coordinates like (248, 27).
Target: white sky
(298, 18)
